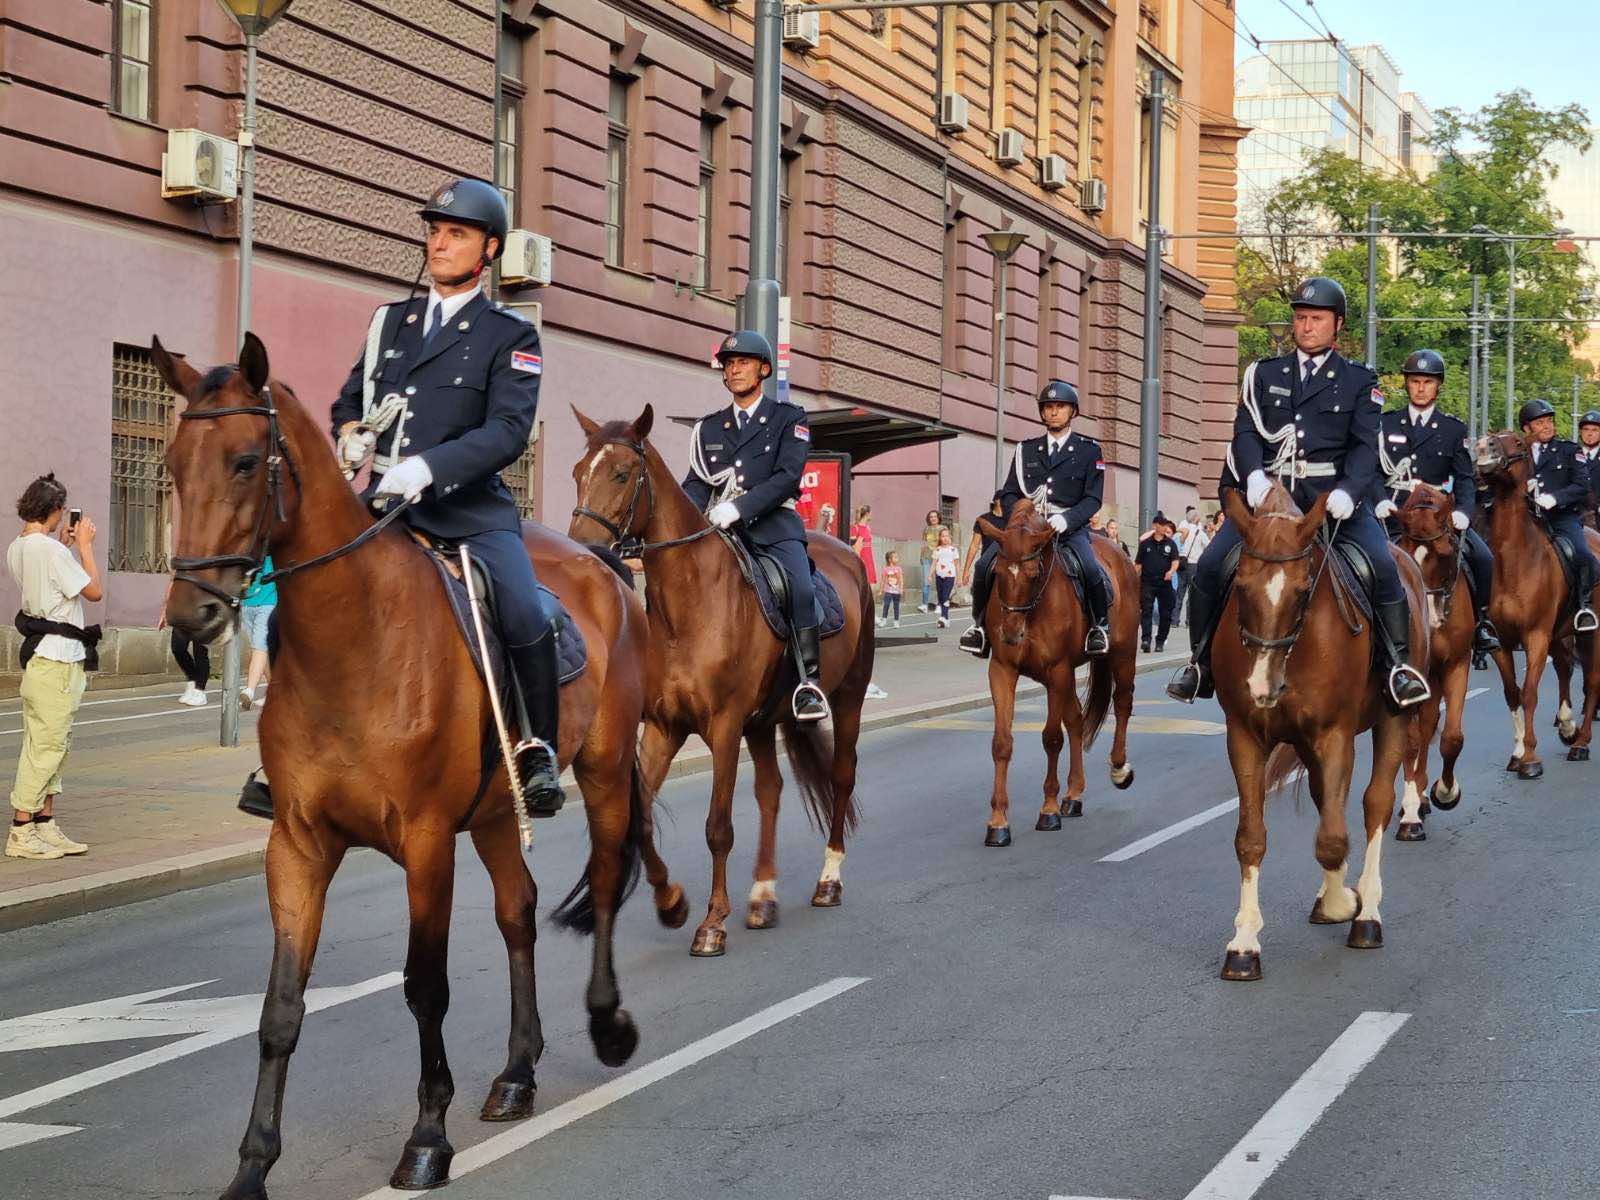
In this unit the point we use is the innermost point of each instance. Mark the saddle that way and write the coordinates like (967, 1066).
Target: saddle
(1351, 568)
(1566, 555)
(1073, 569)
(766, 574)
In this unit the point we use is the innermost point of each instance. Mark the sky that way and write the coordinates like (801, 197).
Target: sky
(1458, 54)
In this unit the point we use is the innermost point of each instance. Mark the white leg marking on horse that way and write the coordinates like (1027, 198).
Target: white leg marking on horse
(1247, 924)
(1411, 805)
(1519, 731)
(1339, 903)
(1275, 587)
(1564, 713)
(1370, 885)
(1118, 774)
(762, 889)
(832, 863)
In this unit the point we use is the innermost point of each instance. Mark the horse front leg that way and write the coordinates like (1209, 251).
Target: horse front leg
(1053, 739)
(1242, 961)
(1562, 653)
(711, 937)
(297, 887)
(1446, 792)
(1329, 775)
(763, 743)
(1591, 697)
(612, 791)
(1389, 738)
(511, 1095)
(1415, 765)
(1003, 693)
(1505, 662)
(1123, 668)
(430, 887)
(657, 748)
(1073, 717)
(1538, 650)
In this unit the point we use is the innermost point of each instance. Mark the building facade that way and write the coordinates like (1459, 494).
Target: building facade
(620, 130)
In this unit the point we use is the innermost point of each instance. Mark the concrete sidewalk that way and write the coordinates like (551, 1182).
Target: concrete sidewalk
(160, 816)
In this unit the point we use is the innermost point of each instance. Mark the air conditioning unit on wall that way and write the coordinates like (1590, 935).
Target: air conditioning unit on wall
(1052, 172)
(1008, 148)
(526, 260)
(952, 113)
(802, 30)
(199, 164)
(1092, 195)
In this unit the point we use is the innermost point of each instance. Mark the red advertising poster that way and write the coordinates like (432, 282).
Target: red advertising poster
(822, 500)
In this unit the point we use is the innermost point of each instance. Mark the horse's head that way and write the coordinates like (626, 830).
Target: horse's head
(1502, 460)
(1274, 582)
(613, 480)
(233, 479)
(1428, 535)
(1023, 564)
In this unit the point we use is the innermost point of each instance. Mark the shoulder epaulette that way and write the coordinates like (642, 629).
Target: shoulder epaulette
(514, 314)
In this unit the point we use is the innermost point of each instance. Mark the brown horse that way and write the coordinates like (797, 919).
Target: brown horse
(1036, 627)
(1428, 536)
(1532, 607)
(715, 664)
(374, 736)
(1297, 678)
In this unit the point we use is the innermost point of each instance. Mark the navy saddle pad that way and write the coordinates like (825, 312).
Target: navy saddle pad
(572, 653)
(766, 575)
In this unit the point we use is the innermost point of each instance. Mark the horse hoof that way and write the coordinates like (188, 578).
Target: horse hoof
(1048, 822)
(615, 1037)
(1319, 917)
(423, 1167)
(676, 913)
(1365, 935)
(1125, 782)
(1242, 966)
(1530, 771)
(509, 1100)
(1410, 831)
(763, 914)
(998, 837)
(1514, 765)
(1074, 808)
(1424, 808)
(709, 943)
(1445, 800)
(1578, 754)
(829, 894)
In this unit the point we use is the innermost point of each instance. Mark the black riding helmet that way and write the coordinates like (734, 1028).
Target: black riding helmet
(1319, 292)
(1058, 391)
(1532, 411)
(471, 202)
(1424, 362)
(751, 342)
(1592, 417)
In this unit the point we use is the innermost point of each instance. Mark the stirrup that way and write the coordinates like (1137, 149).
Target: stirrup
(1096, 646)
(818, 710)
(1403, 671)
(1484, 638)
(974, 641)
(1184, 686)
(1585, 621)
(537, 765)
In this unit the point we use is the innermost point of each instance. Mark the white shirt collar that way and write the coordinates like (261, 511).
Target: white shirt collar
(1054, 441)
(749, 412)
(1318, 358)
(1420, 416)
(451, 305)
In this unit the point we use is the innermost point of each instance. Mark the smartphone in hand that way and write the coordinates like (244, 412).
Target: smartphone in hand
(74, 515)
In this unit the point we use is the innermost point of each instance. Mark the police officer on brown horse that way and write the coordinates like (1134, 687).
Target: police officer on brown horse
(1064, 474)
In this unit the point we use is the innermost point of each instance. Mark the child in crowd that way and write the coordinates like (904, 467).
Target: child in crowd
(946, 560)
(894, 586)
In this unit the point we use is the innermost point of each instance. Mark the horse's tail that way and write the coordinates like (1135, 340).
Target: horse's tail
(1283, 766)
(577, 911)
(1097, 701)
(810, 751)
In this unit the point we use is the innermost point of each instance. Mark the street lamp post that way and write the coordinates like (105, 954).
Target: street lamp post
(253, 17)
(1002, 243)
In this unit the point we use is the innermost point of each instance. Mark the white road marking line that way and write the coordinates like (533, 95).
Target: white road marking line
(154, 697)
(1245, 1168)
(495, 1148)
(177, 712)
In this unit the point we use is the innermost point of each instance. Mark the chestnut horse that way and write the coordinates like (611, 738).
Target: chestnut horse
(1532, 608)
(715, 663)
(1429, 537)
(1036, 627)
(1297, 678)
(375, 731)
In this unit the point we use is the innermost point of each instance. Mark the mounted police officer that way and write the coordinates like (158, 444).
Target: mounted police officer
(1310, 419)
(1559, 487)
(445, 395)
(1064, 474)
(1420, 444)
(1589, 448)
(746, 461)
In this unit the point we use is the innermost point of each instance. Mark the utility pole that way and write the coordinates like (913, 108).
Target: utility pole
(1511, 334)
(758, 308)
(1150, 387)
(1473, 428)
(1372, 286)
(1484, 341)
(1575, 408)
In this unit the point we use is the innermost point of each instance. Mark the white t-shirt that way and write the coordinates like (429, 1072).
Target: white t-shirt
(944, 561)
(1198, 541)
(1185, 531)
(52, 582)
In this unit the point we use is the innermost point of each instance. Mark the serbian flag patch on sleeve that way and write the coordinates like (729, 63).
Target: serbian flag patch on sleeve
(1099, 464)
(803, 432)
(1377, 397)
(527, 362)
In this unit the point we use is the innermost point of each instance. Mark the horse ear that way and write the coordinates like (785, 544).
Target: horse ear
(1237, 511)
(584, 423)
(645, 423)
(178, 374)
(1020, 512)
(253, 362)
(1312, 521)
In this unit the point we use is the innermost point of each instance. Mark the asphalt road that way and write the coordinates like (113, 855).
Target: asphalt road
(1020, 1023)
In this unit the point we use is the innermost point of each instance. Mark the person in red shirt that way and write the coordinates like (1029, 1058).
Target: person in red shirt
(861, 541)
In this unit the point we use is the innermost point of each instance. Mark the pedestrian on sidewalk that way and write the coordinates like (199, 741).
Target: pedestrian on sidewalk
(1115, 535)
(57, 650)
(861, 542)
(945, 558)
(930, 542)
(1192, 547)
(192, 657)
(1157, 561)
(980, 541)
(894, 586)
(256, 609)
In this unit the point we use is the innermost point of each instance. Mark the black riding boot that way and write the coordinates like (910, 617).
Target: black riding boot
(974, 640)
(810, 702)
(1193, 680)
(1407, 687)
(538, 679)
(1585, 620)
(1097, 591)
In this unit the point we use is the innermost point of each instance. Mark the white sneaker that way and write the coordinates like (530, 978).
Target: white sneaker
(193, 697)
(944, 623)
(897, 622)
(874, 692)
(880, 622)
(50, 831)
(247, 698)
(25, 841)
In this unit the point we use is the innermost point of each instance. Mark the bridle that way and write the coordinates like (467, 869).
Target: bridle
(277, 458)
(624, 541)
(1261, 643)
(1044, 579)
(1445, 593)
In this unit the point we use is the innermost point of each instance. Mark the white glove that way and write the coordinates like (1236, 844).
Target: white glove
(407, 478)
(1533, 486)
(1256, 488)
(1384, 509)
(724, 514)
(1340, 506)
(355, 446)
(1545, 501)
(1058, 523)
(1460, 521)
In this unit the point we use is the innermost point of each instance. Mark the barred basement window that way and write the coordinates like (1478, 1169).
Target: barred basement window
(141, 491)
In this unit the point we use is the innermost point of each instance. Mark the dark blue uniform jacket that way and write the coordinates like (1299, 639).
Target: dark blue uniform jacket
(767, 458)
(1440, 453)
(1074, 479)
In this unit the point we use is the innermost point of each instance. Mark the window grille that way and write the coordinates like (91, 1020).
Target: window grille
(141, 490)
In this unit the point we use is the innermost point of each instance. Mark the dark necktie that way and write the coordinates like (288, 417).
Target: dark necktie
(743, 418)
(435, 319)
(1311, 369)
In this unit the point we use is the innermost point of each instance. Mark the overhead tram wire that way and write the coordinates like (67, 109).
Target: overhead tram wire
(1338, 44)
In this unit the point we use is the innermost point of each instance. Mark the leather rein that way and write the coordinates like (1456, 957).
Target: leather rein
(624, 541)
(1049, 550)
(1288, 640)
(278, 458)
